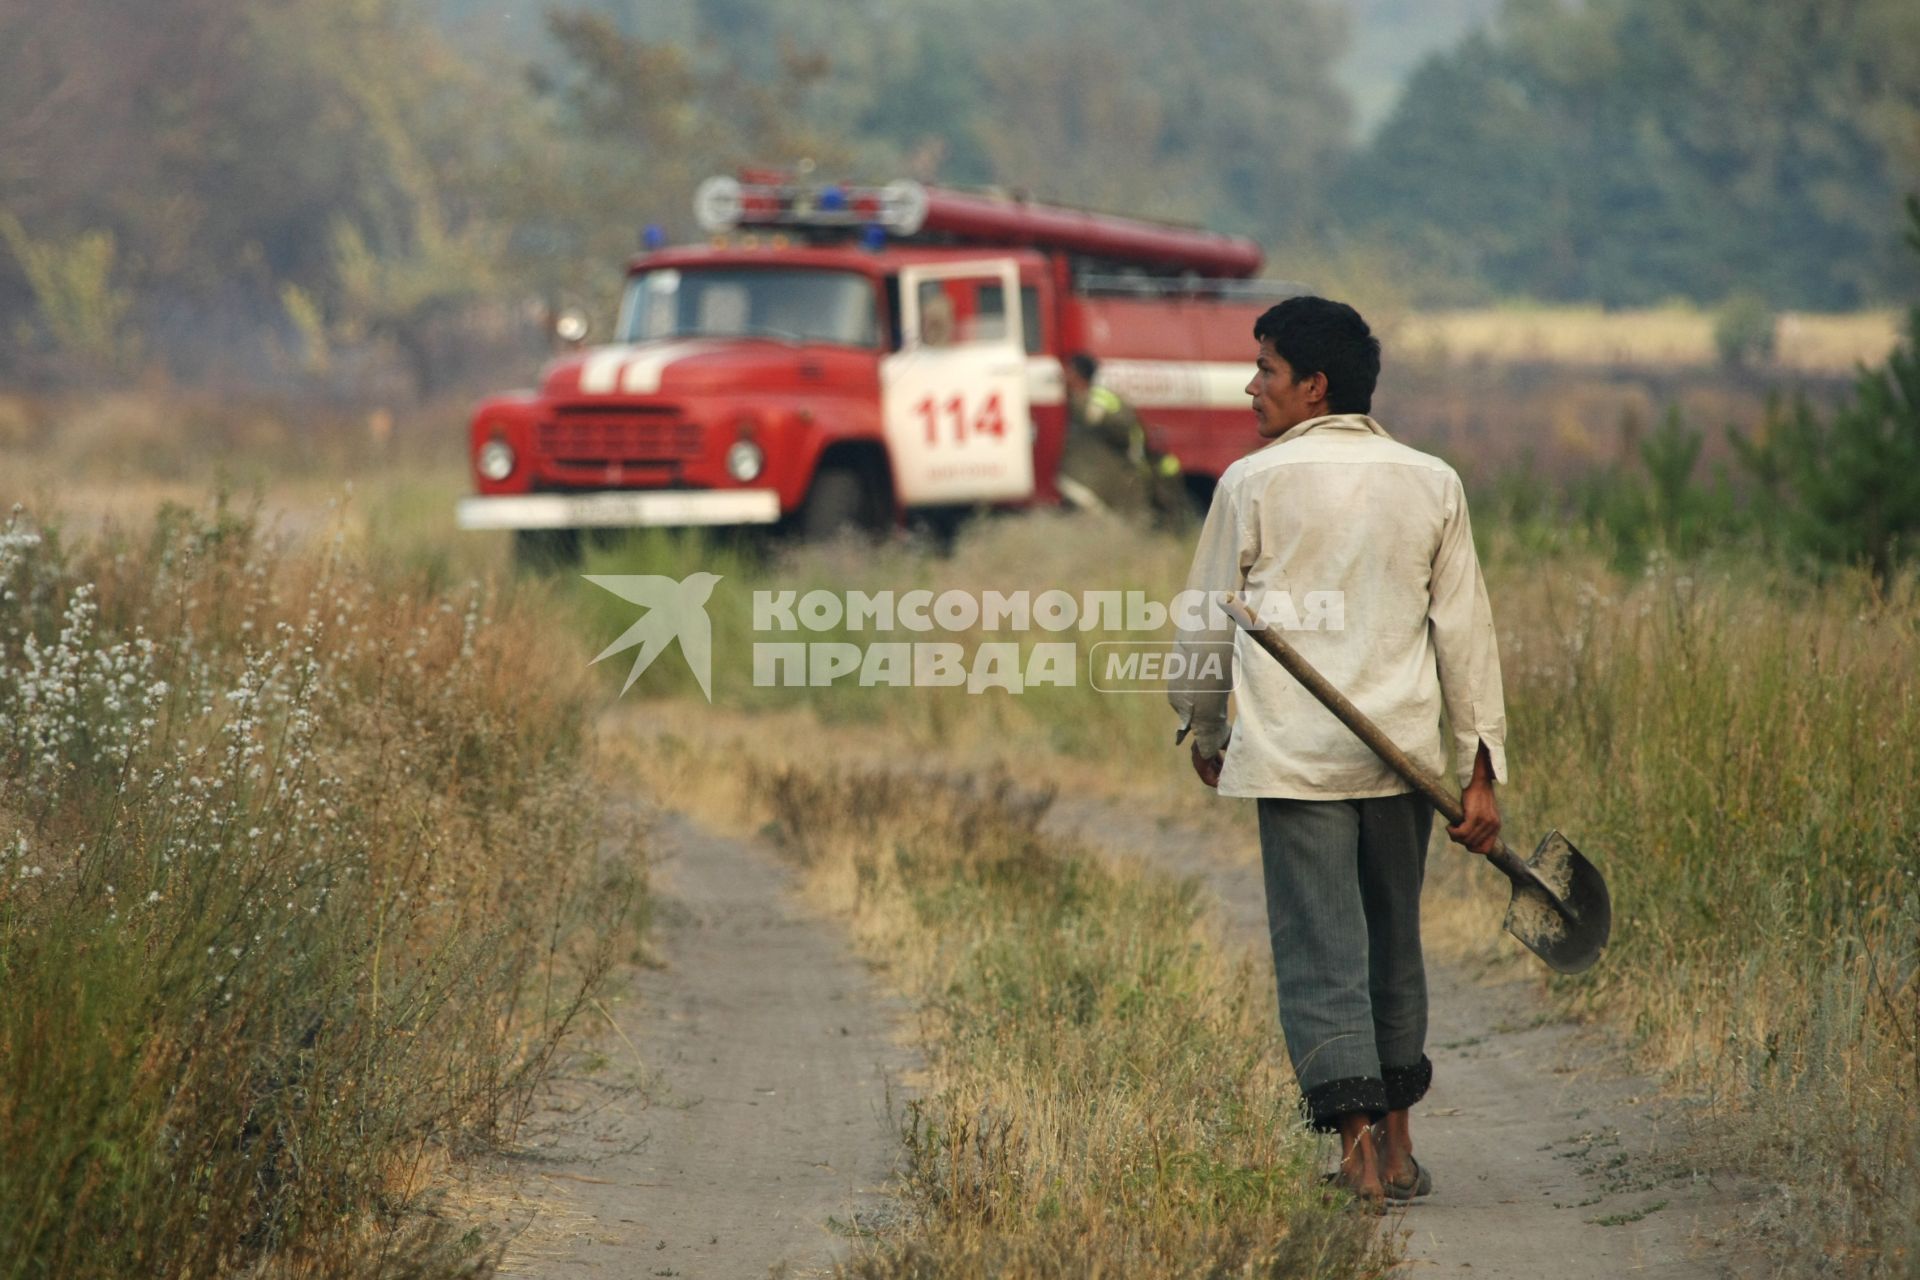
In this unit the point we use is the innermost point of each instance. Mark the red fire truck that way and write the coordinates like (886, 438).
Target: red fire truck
(840, 356)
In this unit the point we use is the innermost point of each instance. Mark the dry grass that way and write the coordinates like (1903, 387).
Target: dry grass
(1738, 750)
(383, 480)
(1665, 337)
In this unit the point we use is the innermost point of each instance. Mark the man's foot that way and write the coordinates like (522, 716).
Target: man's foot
(1418, 1183)
(1359, 1172)
(1401, 1177)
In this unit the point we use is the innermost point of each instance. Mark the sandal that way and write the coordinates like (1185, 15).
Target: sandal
(1420, 1184)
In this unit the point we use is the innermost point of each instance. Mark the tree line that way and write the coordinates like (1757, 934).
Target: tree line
(291, 181)
(1632, 151)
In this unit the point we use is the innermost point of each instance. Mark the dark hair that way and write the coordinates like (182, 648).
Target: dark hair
(1084, 364)
(1315, 335)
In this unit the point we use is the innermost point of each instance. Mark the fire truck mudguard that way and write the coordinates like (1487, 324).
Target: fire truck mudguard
(620, 510)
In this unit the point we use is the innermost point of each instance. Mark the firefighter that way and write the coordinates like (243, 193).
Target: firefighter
(1107, 465)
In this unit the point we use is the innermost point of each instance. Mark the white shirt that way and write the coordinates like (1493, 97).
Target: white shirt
(1359, 549)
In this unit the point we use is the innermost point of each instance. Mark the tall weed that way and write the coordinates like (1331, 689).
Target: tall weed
(1738, 751)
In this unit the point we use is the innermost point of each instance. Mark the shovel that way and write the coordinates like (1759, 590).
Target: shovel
(1560, 908)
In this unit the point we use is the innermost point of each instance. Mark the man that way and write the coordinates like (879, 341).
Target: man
(1401, 625)
(1107, 463)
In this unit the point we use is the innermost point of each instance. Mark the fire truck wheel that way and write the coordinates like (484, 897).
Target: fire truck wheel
(841, 501)
(546, 550)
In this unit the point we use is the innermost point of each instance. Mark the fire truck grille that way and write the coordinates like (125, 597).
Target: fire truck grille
(599, 439)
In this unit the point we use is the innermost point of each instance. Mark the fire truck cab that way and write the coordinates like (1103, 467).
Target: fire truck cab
(839, 357)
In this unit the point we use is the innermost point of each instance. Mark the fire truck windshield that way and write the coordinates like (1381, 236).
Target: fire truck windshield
(784, 303)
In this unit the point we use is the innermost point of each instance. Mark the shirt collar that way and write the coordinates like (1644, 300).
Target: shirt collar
(1333, 422)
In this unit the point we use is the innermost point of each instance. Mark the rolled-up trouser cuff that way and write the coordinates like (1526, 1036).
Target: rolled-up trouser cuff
(1326, 1103)
(1407, 1085)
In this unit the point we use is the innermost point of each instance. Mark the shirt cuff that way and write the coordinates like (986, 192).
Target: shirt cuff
(1210, 739)
(1467, 750)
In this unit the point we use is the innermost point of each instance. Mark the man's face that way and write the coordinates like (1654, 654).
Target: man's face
(1279, 402)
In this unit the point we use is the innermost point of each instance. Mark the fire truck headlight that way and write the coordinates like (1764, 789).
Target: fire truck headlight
(745, 461)
(495, 461)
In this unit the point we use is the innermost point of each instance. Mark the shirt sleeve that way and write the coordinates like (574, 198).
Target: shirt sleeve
(1219, 565)
(1464, 645)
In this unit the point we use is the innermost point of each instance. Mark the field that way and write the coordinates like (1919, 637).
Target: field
(1675, 337)
(307, 797)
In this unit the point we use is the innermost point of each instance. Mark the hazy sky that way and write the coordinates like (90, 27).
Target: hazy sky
(1389, 39)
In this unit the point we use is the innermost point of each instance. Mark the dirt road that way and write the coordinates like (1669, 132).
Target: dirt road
(762, 1116)
(768, 1044)
(1548, 1159)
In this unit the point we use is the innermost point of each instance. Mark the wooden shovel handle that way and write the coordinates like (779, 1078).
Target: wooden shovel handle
(1351, 716)
(1445, 800)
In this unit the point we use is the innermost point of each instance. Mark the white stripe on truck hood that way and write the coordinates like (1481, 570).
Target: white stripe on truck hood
(633, 370)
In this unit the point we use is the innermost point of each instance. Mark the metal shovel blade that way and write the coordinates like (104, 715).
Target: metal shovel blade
(1560, 907)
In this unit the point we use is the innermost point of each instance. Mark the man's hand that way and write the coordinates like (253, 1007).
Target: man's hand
(1479, 826)
(1208, 767)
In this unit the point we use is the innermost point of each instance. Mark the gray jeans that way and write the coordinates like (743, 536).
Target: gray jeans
(1343, 912)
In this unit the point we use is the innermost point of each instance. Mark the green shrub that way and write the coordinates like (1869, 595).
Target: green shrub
(82, 311)
(1743, 331)
(1845, 489)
